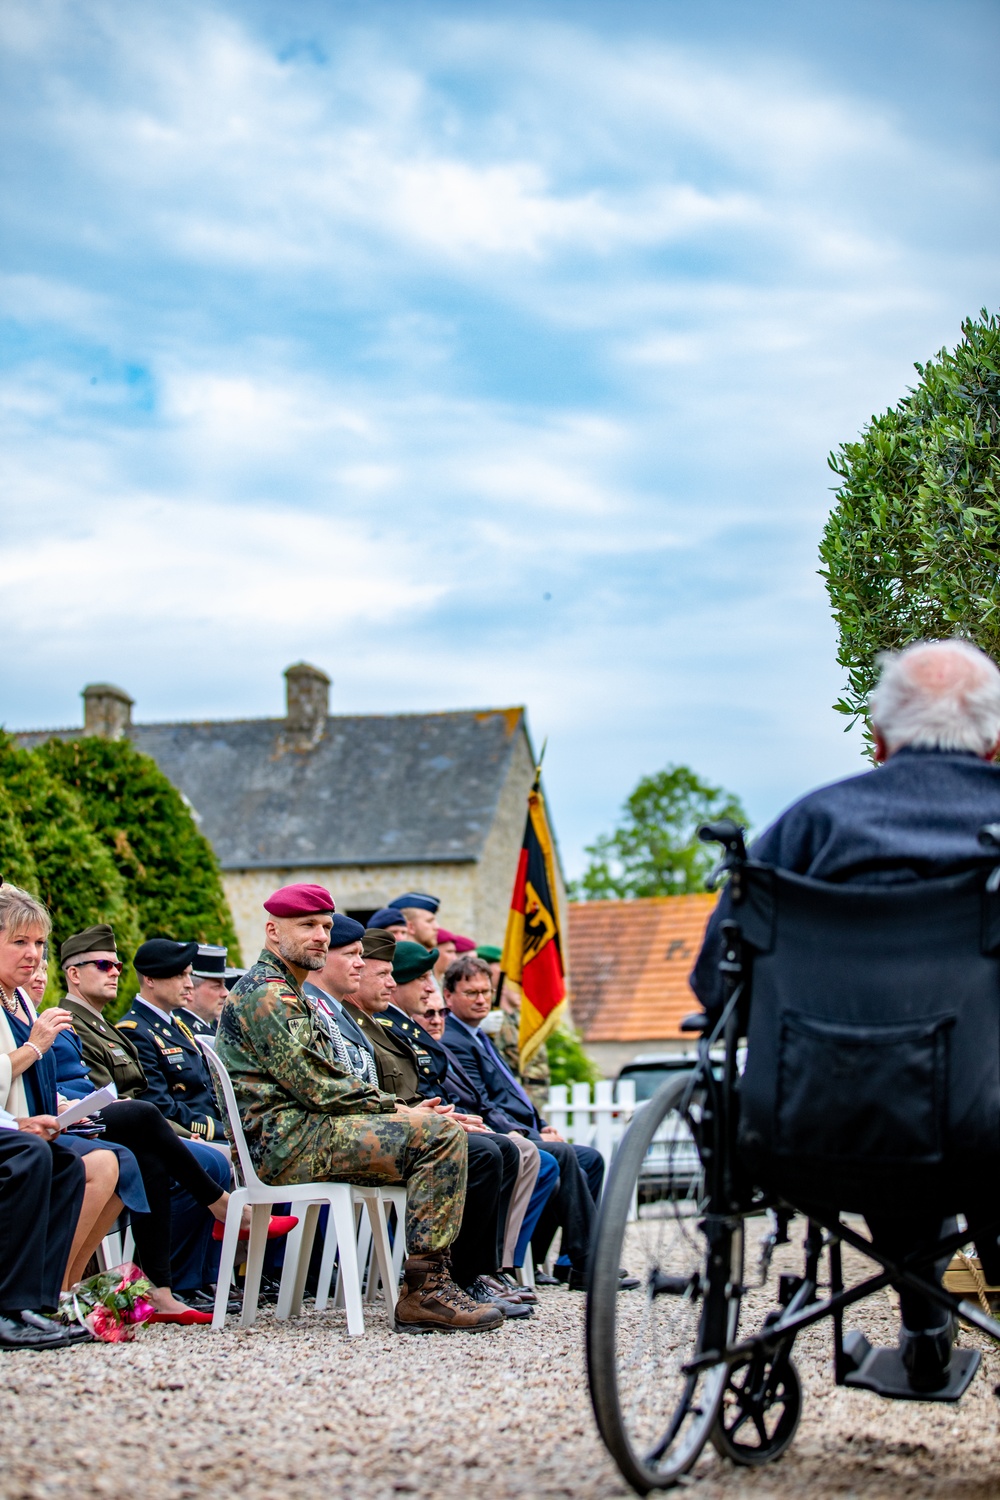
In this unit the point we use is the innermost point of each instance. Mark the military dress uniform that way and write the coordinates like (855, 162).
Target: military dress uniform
(108, 1056)
(308, 1120)
(177, 1079)
(194, 1024)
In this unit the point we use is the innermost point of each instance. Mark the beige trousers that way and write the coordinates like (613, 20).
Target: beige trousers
(527, 1176)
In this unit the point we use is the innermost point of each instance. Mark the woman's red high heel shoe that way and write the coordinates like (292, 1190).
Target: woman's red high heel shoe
(280, 1225)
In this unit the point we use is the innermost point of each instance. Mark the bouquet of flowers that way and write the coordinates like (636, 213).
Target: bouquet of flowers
(112, 1305)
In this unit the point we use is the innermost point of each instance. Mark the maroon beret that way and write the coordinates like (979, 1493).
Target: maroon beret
(463, 944)
(444, 936)
(299, 901)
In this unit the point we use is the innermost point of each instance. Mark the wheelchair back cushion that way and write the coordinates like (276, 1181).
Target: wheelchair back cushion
(873, 1039)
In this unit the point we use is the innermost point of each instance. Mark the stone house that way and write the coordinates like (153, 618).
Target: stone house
(629, 962)
(369, 805)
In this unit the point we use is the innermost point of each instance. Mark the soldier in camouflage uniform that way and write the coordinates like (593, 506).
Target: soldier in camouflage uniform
(307, 1119)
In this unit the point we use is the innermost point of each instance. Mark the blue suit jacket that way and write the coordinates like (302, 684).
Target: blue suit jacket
(914, 818)
(490, 1081)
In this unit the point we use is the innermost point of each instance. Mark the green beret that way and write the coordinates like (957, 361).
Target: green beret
(99, 939)
(412, 960)
(489, 954)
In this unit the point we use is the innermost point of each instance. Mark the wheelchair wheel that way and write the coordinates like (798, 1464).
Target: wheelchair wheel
(654, 1419)
(760, 1410)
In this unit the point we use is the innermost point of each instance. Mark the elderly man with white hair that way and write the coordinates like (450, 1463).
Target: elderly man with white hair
(935, 716)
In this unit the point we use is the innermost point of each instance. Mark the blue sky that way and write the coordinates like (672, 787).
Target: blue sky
(478, 353)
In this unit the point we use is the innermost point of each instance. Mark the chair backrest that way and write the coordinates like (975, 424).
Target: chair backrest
(873, 1035)
(225, 1083)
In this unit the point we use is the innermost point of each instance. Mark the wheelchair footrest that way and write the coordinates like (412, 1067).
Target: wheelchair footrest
(883, 1371)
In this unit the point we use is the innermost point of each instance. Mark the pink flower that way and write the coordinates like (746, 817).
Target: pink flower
(129, 1272)
(142, 1311)
(104, 1325)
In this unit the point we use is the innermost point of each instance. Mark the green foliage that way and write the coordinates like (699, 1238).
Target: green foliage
(568, 1060)
(169, 867)
(75, 875)
(912, 547)
(17, 864)
(98, 833)
(655, 851)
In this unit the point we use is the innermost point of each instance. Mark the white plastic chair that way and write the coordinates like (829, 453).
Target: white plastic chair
(308, 1198)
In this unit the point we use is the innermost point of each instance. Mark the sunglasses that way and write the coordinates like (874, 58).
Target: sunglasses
(106, 965)
(435, 1010)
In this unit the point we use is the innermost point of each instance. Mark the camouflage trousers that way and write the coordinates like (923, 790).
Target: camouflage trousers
(427, 1152)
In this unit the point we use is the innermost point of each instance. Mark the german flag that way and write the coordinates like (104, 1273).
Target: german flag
(532, 950)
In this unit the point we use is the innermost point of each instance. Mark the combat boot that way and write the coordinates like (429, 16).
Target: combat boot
(430, 1301)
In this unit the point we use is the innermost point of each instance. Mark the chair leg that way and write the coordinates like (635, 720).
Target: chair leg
(367, 1261)
(298, 1252)
(382, 1255)
(227, 1256)
(342, 1223)
(326, 1265)
(260, 1215)
(399, 1245)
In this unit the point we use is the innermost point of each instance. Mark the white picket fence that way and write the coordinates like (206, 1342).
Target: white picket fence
(595, 1115)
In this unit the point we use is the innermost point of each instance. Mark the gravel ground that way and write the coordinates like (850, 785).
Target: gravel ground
(297, 1410)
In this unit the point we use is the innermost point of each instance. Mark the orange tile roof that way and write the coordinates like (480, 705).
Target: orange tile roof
(629, 962)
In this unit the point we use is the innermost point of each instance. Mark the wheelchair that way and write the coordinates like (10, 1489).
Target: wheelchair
(852, 1074)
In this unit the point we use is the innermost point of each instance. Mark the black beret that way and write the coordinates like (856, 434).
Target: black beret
(99, 939)
(162, 958)
(345, 930)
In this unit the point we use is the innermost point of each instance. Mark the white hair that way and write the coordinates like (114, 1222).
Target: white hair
(937, 695)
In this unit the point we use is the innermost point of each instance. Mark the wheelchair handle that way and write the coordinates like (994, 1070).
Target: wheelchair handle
(730, 836)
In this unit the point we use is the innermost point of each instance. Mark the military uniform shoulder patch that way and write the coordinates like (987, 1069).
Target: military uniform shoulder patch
(382, 1022)
(127, 1025)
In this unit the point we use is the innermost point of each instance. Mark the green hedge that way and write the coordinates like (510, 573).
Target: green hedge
(569, 1061)
(97, 832)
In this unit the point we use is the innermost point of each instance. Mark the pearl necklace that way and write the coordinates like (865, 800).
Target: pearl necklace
(9, 1004)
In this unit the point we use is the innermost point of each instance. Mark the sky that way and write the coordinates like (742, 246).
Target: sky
(480, 354)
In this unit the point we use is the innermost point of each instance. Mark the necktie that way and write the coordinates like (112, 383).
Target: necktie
(486, 1044)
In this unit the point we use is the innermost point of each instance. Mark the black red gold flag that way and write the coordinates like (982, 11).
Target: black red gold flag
(532, 951)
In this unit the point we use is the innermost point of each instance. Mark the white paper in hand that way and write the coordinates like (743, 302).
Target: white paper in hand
(82, 1109)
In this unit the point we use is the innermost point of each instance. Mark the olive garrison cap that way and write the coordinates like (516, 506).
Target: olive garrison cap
(99, 939)
(377, 943)
(345, 930)
(162, 958)
(411, 960)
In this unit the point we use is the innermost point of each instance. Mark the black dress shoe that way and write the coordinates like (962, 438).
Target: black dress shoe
(627, 1283)
(203, 1298)
(927, 1355)
(16, 1333)
(543, 1279)
(71, 1333)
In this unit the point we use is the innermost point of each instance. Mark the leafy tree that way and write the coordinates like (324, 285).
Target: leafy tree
(912, 547)
(167, 864)
(17, 866)
(569, 1062)
(655, 851)
(75, 875)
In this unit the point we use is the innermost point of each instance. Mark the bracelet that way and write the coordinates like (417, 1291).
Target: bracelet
(36, 1050)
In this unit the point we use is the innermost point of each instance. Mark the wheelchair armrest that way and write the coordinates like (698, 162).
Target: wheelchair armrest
(696, 1023)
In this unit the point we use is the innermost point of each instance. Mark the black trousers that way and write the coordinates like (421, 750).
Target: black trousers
(493, 1166)
(41, 1191)
(901, 1234)
(571, 1207)
(162, 1157)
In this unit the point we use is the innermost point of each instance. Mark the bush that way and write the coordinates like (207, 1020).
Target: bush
(16, 863)
(568, 1060)
(911, 549)
(75, 875)
(169, 867)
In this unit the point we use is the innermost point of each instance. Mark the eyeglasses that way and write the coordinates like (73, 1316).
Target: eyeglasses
(106, 965)
(435, 1010)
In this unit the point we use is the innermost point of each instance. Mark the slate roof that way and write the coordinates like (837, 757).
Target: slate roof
(629, 962)
(375, 790)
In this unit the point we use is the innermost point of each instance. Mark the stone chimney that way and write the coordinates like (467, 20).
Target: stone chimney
(307, 704)
(107, 710)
